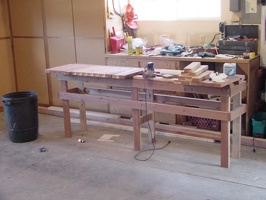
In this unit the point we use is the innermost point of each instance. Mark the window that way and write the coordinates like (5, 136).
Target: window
(165, 10)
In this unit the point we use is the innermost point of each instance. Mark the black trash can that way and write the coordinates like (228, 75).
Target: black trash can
(21, 115)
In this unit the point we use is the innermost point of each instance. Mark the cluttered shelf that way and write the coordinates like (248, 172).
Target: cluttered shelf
(220, 58)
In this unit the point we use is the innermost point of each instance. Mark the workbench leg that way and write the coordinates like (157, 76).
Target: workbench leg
(136, 121)
(250, 70)
(66, 112)
(225, 134)
(82, 109)
(225, 144)
(151, 122)
(83, 119)
(236, 136)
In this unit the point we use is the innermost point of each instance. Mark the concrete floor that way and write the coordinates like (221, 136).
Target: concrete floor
(107, 170)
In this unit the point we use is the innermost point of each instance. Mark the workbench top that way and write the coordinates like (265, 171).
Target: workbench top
(96, 71)
(117, 72)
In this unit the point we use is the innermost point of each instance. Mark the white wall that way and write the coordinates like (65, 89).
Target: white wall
(185, 32)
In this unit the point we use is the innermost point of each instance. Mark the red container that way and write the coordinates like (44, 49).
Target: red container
(116, 42)
(204, 123)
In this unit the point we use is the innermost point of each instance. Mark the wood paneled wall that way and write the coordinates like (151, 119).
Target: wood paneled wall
(7, 74)
(48, 33)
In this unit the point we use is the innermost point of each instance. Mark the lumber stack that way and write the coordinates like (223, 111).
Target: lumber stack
(194, 72)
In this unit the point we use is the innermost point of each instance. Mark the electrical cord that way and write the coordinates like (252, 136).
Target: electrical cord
(216, 47)
(152, 149)
(254, 150)
(213, 38)
(210, 45)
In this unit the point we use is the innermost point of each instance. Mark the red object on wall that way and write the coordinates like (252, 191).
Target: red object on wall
(131, 17)
(116, 42)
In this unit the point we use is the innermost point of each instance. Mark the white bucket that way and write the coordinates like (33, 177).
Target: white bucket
(229, 69)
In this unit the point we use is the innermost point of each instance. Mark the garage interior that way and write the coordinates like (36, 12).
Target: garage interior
(101, 163)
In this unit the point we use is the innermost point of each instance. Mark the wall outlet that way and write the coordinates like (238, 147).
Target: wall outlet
(202, 39)
(110, 13)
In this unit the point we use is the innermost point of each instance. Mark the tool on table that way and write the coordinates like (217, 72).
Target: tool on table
(149, 71)
(206, 54)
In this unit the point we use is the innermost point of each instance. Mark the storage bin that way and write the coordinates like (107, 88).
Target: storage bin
(259, 124)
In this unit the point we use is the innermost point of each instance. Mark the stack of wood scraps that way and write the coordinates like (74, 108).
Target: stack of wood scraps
(194, 72)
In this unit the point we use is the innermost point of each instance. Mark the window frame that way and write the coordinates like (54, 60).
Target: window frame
(158, 4)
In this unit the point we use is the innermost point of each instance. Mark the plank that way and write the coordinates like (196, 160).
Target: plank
(209, 83)
(169, 71)
(88, 113)
(96, 71)
(65, 69)
(185, 76)
(199, 70)
(185, 82)
(203, 76)
(192, 67)
(82, 110)
(225, 134)
(151, 123)
(86, 71)
(236, 126)
(227, 81)
(157, 78)
(108, 71)
(136, 121)
(127, 72)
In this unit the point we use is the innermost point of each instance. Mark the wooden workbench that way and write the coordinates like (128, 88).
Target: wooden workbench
(248, 67)
(143, 97)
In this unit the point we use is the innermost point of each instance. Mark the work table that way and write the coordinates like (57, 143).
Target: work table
(142, 96)
(250, 68)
